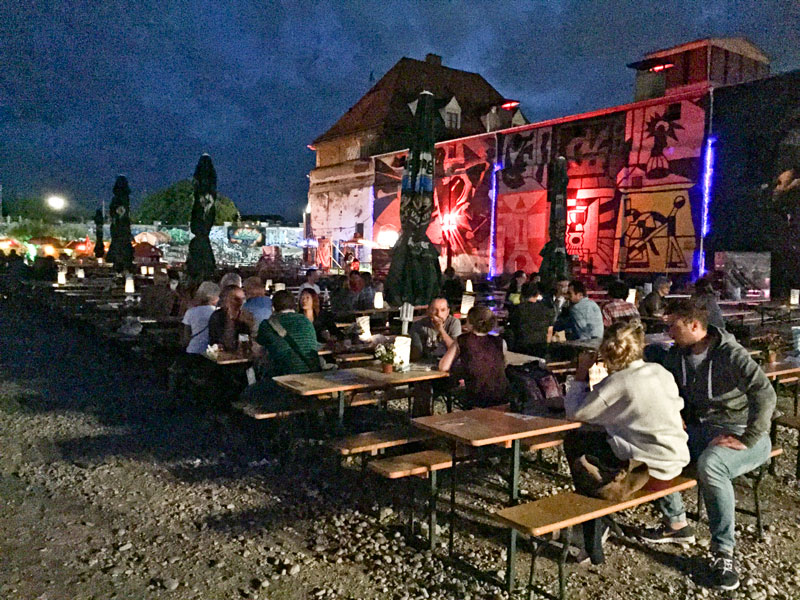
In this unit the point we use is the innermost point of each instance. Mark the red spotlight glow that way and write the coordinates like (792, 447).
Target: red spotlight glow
(509, 104)
(658, 68)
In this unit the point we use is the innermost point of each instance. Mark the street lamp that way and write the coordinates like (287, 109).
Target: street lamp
(56, 203)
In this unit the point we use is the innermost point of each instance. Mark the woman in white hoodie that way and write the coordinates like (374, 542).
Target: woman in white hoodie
(636, 414)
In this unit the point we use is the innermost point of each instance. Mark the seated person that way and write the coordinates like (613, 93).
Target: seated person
(230, 278)
(432, 335)
(230, 321)
(195, 319)
(289, 338)
(479, 358)
(705, 296)
(638, 407)
(324, 324)
(618, 308)
(158, 300)
(652, 306)
(583, 321)
(366, 297)
(343, 299)
(514, 289)
(258, 303)
(312, 277)
(530, 325)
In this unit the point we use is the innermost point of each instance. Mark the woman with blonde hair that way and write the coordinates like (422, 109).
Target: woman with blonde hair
(642, 441)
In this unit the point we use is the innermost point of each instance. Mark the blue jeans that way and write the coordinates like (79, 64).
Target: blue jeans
(716, 469)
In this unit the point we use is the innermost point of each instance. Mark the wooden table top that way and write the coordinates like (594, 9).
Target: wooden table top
(323, 382)
(517, 359)
(418, 372)
(482, 426)
(783, 367)
(231, 358)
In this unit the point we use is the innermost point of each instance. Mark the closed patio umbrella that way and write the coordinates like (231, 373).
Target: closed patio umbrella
(555, 261)
(99, 247)
(200, 263)
(120, 252)
(414, 274)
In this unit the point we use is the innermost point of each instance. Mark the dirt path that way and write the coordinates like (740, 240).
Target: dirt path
(107, 492)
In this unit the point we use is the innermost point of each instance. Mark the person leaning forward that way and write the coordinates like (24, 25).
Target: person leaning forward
(729, 404)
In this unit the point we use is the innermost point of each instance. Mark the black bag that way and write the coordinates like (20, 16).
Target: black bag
(534, 389)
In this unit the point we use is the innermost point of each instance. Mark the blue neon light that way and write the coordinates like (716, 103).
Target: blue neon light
(705, 227)
(492, 221)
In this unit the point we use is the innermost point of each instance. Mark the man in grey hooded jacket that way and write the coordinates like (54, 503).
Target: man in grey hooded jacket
(728, 406)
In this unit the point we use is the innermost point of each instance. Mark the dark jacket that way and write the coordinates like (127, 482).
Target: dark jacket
(652, 305)
(729, 389)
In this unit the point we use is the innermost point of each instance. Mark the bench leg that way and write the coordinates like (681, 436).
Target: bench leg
(511, 559)
(773, 437)
(454, 447)
(757, 502)
(434, 494)
(513, 482)
(340, 398)
(562, 559)
(412, 500)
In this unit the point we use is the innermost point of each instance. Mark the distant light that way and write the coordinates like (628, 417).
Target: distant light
(659, 68)
(387, 238)
(49, 250)
(509, 104)
(5, 244)
(56, 203)
(449, 224)
(311, 147)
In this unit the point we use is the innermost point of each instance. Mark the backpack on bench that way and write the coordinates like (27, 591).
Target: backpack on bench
(534, 389)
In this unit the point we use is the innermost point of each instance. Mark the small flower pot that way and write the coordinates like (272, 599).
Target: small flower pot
(387, 367)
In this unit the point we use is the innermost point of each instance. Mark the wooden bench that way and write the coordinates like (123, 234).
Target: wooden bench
(375, 441)
(427, 463)
(789, 380)
(564, 511)
(792, 422)
(285, 407)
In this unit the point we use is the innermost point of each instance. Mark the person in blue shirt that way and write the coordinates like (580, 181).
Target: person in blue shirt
(584, 320)
(258, 304)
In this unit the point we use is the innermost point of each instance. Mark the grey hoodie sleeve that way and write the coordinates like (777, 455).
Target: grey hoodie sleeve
(760, 395)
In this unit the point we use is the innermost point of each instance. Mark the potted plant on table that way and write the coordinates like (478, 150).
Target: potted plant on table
(385, 354)
(770, 344)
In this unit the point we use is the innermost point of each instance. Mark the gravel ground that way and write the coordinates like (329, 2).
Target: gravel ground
(108, 490)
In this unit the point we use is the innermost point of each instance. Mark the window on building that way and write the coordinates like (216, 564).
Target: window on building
(452, 120)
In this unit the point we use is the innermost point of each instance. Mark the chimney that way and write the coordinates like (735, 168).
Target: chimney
(434, 59)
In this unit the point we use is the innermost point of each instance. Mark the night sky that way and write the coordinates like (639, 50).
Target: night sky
(92, 89)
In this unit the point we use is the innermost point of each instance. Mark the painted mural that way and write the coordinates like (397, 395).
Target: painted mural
(633, 198)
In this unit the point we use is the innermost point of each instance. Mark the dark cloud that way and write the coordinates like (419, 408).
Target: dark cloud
(88, 89)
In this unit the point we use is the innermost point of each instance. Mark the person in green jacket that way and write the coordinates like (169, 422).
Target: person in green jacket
(728, 412)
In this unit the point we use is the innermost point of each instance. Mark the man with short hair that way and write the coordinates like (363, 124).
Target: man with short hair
(312, 276)
(584, 321)
(653, 304)
(728, 412)
(289, 338)
(258, 303)
(618, 308)
(556, 298)
(432, 335)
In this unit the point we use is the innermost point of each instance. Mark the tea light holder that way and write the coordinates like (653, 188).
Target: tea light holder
(80, 273)
(280, 286)
(151, 270)
(378, 302)
(143, 270)
(402, 351)
(100, 261)
(130, 288)
(467, 302)
(363, 325)
(268, 284)
(468, 287)
(61, 277)
(794, 297)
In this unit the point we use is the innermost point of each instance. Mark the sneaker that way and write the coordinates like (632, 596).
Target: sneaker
(723, 571)
(665, 534)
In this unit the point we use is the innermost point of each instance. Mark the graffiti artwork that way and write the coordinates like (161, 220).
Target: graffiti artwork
(247, 236)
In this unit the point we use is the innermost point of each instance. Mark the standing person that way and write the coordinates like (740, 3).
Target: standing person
(195, 319)
(288, 338)
(481, 361)
(584, 321)
(258, 303)
(705, 296)
(618, 308)
(230, 321)
(530, 326)
(432, 335)
(653, 304)
(639, 409)
(729, 404)
(312, 277)
(514, 289)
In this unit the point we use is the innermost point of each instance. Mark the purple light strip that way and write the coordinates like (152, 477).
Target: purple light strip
(492, 222)
(708, 173)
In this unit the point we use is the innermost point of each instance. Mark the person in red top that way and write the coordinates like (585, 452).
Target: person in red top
(618, 309)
